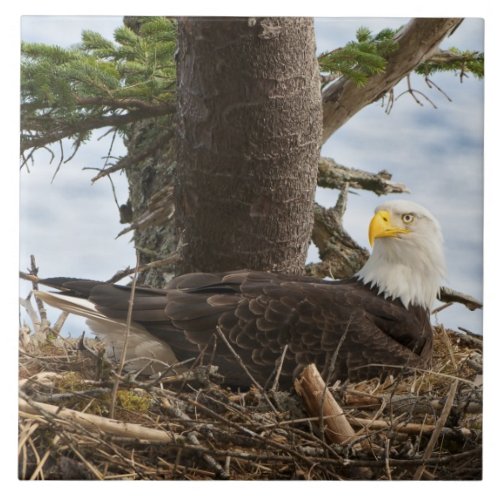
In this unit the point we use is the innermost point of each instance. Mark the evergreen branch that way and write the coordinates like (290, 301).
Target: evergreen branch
(66, 93)
(454, 60)
(62, 129)
(127, 103)
(362, 58)
(132, 159)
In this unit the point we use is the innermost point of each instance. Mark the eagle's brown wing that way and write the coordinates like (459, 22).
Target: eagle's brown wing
(344, 327)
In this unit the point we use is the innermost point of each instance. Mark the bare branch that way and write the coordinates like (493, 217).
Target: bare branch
(417, 42)
(319, 402)
(333, 175)
(167, 261)
(413, 92)
(33, 271)
(116, 385)
(439, 427)
(95, 422)
(449, 295)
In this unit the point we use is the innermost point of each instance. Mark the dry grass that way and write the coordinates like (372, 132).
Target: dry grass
(426, 426)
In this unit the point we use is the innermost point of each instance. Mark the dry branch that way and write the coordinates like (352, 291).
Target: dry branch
(406, 428)
(123, 356)
(320, 403)
(96, 423)
(334, 176)
(449, 295)
(340, 255)
(130, 159)
(160, 209)
(439, 427)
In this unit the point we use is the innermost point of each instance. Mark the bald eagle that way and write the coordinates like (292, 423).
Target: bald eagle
(369, 325)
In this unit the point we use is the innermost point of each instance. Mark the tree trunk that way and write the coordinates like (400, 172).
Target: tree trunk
(249, 130)
(146, 179)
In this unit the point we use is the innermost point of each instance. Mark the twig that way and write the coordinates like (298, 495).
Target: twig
(444, 335)
(193, 439)
(437, 431)
(414, 93)
(471, 336)
(130, 160)
(172, 258)
(28, 306)
(61, 161)
(431, 84)
(34, 272)
(280, 367)
(403, 428)
(62, 396)
(423, 370)
(386, 459)
(28, 277)
(39, 467)
(441, 308)
(333, 359)
(220, 333)
(123, 357)
(248, 432)
(60, 322)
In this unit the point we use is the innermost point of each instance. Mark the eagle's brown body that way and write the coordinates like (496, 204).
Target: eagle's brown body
(345, 327)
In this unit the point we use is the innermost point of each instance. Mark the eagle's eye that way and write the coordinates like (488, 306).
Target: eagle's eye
(408, 218)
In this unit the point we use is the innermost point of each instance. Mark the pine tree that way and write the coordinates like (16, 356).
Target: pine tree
(129, 86)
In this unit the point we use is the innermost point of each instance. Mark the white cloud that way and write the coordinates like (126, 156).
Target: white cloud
(66, 30)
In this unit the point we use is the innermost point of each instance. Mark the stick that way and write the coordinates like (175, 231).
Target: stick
(193, 439)
(244, 368)
(278, 371)
(449, 295)
(95, 422)
(437, 431)
(404, 428)
(34, 272)
(123, 358)
(319, 402)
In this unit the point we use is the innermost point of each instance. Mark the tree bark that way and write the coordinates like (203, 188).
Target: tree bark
(249, 130)
(417, 41)
(150, 177)
(147, 178)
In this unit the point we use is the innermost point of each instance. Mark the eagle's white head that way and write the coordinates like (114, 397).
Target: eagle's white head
(407, 261)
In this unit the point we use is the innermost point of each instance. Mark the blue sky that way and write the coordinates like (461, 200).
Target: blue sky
(70, 225)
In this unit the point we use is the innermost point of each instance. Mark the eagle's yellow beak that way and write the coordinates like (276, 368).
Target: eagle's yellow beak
(381, 227)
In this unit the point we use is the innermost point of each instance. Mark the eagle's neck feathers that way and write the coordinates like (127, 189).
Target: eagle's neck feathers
(408, 268)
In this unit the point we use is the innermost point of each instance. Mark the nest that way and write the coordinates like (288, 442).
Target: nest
(80, 420)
